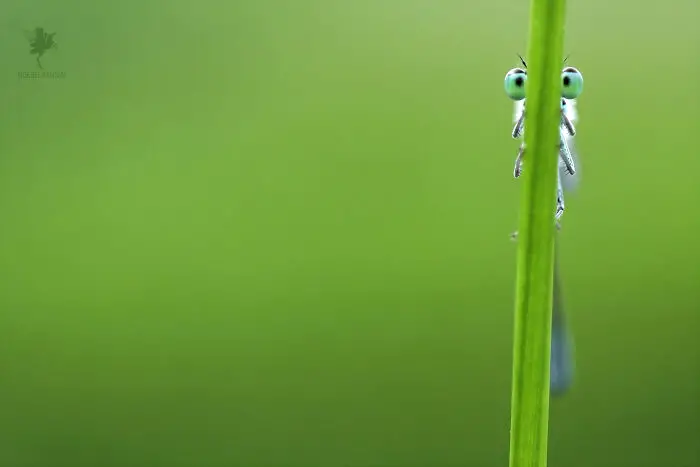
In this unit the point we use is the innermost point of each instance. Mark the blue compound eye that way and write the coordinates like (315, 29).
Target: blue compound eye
(571, 83)
(515, 84)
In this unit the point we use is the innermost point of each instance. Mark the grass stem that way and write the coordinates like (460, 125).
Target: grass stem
(533, 305)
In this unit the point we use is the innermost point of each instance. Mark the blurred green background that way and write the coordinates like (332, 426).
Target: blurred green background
(275, 233)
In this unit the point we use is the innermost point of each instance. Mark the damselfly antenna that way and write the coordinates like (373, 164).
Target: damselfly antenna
(567, 57)
(522, 60)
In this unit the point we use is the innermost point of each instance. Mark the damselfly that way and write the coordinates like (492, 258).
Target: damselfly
(561, 362)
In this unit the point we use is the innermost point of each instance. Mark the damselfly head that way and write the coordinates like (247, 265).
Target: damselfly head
(516, 81)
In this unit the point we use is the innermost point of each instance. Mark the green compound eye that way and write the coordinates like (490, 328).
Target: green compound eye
(515, 84)
(571, 83)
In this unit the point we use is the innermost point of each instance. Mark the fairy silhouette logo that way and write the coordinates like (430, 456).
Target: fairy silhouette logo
(41, 42)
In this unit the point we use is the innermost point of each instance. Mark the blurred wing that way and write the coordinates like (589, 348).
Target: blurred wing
(562, 366)
(561, 360)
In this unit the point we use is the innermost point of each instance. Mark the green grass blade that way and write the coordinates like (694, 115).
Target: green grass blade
(533, 307)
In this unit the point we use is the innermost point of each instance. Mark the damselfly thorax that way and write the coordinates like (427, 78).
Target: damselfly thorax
(572, 85)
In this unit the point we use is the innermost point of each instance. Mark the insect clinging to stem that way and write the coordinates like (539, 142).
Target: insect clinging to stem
(561, 360)
(572, 86)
